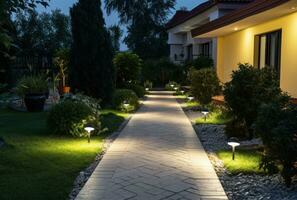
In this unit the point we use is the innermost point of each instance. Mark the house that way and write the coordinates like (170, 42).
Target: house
(262, 33)
(183, 46)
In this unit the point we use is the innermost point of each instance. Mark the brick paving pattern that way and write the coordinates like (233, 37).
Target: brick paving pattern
(157, 156)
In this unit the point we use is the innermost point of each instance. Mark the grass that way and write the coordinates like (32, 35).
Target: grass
(217, 117)
(36, 164)
(246, 161)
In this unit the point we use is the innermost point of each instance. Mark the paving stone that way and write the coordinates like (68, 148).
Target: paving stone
(157, 156)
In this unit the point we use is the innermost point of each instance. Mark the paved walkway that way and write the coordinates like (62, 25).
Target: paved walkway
(157, 156)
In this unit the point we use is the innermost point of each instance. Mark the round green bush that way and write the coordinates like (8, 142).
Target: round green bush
(69, 117)
(122, 96)
(138, 89)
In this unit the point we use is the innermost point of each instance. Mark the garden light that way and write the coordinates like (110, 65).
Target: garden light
(205, 113)
(176, 88)
(89, 130)
(171, 85)
(126, 104)
(233, 142)
(191, 98)
(182, 92)
(147, 89)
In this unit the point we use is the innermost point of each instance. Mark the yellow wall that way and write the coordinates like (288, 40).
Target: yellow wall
(238, 47)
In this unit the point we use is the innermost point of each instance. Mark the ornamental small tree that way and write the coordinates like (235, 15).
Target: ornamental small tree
(248, 89)
(277, 127)
(91, 69)
(128, 67)
(204, 84)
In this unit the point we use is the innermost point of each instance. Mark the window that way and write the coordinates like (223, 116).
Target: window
(268, 52)
(190, 52)
(205, 49)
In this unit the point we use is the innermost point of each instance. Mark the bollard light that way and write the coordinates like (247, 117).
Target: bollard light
(233, 142)
(147, 89)
(89, 129)
(182, 92)
(205, 113)
(191, 98)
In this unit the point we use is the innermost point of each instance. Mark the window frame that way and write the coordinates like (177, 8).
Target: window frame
(278, 53)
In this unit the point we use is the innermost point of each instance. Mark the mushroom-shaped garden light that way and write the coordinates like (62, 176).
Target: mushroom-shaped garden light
(205, 113)
(233, 142)
(89, 129)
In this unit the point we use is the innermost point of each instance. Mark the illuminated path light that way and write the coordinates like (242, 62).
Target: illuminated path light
(233, 142)
(156, 156)
(89, 130)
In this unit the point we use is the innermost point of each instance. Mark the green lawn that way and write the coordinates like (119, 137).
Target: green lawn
(38, 165)
(246, 161)
(214, 117)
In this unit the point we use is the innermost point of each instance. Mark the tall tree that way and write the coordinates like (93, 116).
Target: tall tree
(42, 32)
(116, 33)
(145, 20)
(7, 8)
(91, 62)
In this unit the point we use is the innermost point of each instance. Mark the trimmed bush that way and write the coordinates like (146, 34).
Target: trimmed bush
(138, 89)
(200, 63)
(249, 88)
(169, 87)
(69, 118)
(161, 71)
(125, 96)
(277, 127)
(128, 68)
(204, 85)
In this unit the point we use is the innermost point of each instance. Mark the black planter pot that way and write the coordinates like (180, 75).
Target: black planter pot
(35, 102)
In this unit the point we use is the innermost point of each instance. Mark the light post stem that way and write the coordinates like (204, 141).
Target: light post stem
(233, 152)
(89, 137)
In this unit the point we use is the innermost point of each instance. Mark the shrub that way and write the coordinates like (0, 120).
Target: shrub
(236, 128)
(169, 85)
(204, 84)
(128, 68)
(248, 89)
(148, 84)
(276, 125)
(34, 84)
(123, 96)
(70, 117)
(200, 63)
(162, 71)
(138, 89)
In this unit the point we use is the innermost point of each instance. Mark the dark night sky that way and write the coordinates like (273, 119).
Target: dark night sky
(64, 5)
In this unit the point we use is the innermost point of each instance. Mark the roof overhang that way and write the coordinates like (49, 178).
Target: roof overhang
(255, 13)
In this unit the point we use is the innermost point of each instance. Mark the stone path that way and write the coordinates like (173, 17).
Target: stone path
(157, 156)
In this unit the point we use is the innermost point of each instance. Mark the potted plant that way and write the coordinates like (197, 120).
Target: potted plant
(33, 89)
(61, 60)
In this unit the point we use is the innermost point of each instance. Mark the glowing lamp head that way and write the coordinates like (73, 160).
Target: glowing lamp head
(176, 88)
(182, 92)
(89, 129)
(126, 104)
(233, 142)
(172, 85)
(191, 98)
(147, 89)
(205, 112)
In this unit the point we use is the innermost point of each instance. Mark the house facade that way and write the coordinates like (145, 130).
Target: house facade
(183, 46)
(261, 33)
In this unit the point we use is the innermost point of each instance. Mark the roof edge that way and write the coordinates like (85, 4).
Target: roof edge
(251, 9)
